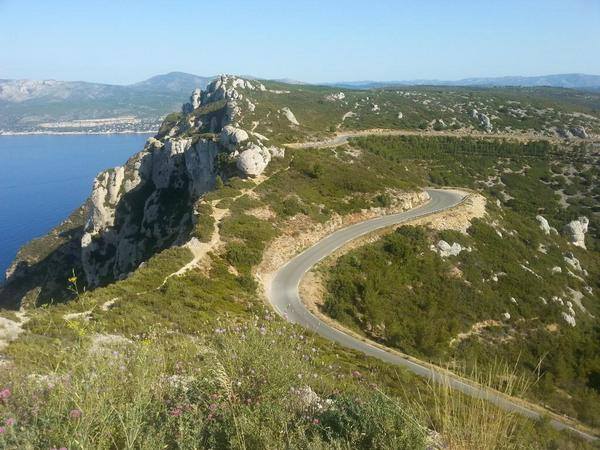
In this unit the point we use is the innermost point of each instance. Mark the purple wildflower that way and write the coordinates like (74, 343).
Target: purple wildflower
(5, 393)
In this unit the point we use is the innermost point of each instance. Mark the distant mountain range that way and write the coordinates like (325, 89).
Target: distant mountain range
(26, 104)
(567, 80)
(17, 91)
(30, 105)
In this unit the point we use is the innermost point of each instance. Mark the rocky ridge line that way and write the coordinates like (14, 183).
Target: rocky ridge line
(174, 169)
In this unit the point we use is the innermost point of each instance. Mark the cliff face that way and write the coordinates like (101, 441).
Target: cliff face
(147, 204)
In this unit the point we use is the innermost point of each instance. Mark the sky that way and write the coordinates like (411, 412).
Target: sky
(127, 41)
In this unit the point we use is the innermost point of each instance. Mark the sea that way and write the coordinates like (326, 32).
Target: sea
(43, 178)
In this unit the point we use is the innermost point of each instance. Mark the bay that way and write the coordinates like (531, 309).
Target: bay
(43, 178)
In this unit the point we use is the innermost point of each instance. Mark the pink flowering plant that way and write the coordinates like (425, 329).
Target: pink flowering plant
(243, 383)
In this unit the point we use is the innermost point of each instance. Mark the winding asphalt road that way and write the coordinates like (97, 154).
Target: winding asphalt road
(284, 296)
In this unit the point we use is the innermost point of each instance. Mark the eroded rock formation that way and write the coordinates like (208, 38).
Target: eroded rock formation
(146, 205)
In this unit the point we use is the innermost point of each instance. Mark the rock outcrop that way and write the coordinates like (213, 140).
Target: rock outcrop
(254, 160)
(231, 137)
(444, 249)
(544, 225)
(146, 205)
(484, 120)
(335, 97)
(287, 112)
(579, 132)
(194, 102)
(576, 230)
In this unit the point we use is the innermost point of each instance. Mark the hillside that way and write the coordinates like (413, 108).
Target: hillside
(158, 278)
(50, 106)
(57, 106)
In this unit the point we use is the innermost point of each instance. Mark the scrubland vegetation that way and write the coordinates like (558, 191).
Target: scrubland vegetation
(197, 361)
(451, 310)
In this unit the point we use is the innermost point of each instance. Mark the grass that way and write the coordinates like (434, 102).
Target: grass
(204, 222)
(464, 422)
(235, 389)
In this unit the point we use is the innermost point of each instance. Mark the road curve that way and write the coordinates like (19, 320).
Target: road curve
(283, 294)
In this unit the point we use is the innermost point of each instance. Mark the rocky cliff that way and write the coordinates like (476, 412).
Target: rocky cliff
(147, 204)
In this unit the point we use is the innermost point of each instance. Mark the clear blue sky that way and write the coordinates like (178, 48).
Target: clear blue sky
(129, 40)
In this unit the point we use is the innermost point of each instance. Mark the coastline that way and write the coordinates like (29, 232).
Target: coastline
(64, 133)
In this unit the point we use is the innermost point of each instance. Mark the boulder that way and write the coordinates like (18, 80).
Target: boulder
(287, 112)
(573, 262)
(569, 319)
(564, 133)
(277, 152)
(575, 231)
(231, 137)
(484, 120)
(444, 249)
(254, 160)
(544, 225)
(579, 132)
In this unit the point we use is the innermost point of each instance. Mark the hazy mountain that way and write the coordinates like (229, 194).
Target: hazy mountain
(568, 80)
(174, 82)
(24, 104)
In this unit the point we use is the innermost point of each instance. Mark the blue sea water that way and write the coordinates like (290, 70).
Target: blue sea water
(44, 178)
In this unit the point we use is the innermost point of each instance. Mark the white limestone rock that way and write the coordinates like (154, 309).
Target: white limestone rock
(335, 97)
(105, 195)
(254, 160)
(222, 88)
(569, 319)
(164, 161)
(277, 152)
(259, 136)
(231, 137)
(444, 249)
(200, 163)
(484, 120)
(287, 112)
(575, 231)
(194, 102)
(544, 225)
(573, 262)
